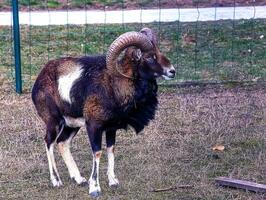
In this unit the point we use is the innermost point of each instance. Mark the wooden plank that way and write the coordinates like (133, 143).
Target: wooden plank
(246, 185)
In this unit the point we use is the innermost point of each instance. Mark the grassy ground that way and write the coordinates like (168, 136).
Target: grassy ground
(205, 51)
(175, 149)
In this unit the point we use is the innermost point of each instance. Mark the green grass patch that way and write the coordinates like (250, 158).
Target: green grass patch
(30, 2)
(53, 4)
(203, 51)
(81, 3)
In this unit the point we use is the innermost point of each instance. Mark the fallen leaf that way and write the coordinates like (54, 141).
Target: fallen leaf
(218, 147)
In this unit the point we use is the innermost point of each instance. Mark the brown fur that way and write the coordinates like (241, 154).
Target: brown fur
(123, 90)
(49, 75)
(111, 149)
(66, 66)
(124, 66)
(122, 83)
(98, 154)
(42, 109)
(47, 79)
(162, 60)
(117, 85)
(93, 109)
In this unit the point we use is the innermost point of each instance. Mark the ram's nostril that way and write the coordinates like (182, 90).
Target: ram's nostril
(172, 71)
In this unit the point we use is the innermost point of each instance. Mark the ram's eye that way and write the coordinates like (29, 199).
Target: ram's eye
(150, 59)
(154, 57)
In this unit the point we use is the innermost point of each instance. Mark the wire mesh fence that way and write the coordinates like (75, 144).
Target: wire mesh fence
(202, 51)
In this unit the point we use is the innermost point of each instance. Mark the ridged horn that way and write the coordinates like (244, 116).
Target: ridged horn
(125, 40)
(150, 34)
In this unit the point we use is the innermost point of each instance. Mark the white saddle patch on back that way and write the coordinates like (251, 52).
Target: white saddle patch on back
(74, 122)
(65, 83)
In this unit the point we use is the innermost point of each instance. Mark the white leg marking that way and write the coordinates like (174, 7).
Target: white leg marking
(56, 181)
(95, 188)
(113, 181)
(64, 148)
(65, 83)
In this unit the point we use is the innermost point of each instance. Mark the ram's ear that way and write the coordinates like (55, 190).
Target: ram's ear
(136, 54)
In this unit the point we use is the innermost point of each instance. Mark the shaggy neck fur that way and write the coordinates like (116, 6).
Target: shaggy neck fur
(137, 97)
(123, 81)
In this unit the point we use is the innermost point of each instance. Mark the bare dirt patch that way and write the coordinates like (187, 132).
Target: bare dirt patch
(175, 149)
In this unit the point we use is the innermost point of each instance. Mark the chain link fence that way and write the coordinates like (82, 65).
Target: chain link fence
(202, 50)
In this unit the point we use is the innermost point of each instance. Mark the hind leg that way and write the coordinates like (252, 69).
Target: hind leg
(64, 144)
(51, 134)
(49, 112)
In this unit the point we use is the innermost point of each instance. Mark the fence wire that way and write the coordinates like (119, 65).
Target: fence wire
(201, 51)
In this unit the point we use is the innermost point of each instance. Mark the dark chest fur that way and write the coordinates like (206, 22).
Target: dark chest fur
(145, 105)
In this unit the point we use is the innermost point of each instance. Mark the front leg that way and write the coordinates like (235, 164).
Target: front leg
(110, 142)
(95, 137)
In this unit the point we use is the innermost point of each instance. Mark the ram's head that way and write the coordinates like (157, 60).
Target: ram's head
(143, 51)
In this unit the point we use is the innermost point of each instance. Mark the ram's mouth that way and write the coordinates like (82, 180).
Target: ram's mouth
(168, 77)
(169, 73)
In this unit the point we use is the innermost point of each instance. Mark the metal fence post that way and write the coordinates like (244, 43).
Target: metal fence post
(16, 37)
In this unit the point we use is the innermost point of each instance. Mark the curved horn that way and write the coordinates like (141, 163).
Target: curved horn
(125, 40)
(150, 34)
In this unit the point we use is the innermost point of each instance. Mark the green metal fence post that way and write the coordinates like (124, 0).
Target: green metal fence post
(16, 36)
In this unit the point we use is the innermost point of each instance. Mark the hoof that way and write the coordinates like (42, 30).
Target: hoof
(113, 181)
(56, 183)
(114, 186)
(95, 194)
(81, 181)
(83, 184)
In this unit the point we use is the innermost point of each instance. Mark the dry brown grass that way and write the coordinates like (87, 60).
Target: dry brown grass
(174, 149)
